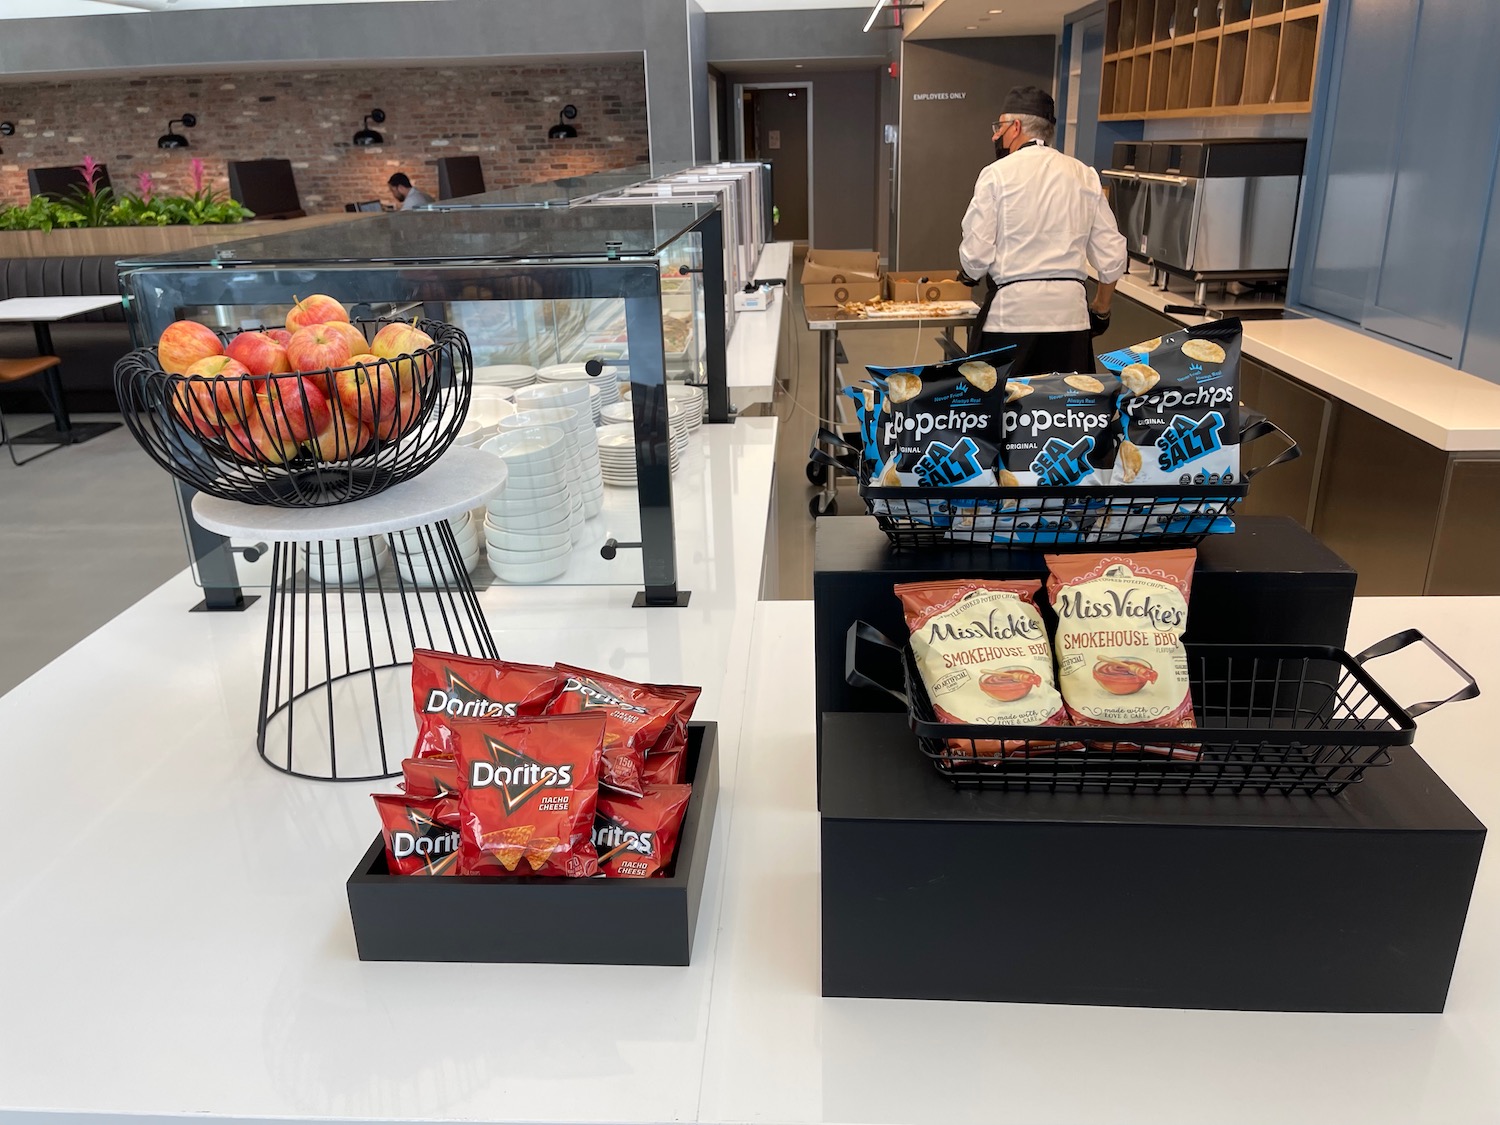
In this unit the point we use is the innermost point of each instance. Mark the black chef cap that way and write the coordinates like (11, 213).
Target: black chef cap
(1030, 100)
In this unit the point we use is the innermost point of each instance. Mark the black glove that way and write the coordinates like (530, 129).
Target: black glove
(1098, 323)
(965, 279)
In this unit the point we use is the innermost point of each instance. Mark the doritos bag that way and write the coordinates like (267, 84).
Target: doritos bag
(421, 834)
(636, 837)
(528, 789)
(433, 776)
(448, 690)
(637, 715)
(666, 762)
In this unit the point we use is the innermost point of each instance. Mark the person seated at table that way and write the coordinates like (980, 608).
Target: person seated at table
(409, 197)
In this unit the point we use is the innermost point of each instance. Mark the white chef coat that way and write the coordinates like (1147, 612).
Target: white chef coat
(1040, 213)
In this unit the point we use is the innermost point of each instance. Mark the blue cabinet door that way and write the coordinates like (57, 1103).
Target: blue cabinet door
(1350, 196)
(1448, 127)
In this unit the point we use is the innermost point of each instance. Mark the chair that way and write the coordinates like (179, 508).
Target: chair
(13, 371)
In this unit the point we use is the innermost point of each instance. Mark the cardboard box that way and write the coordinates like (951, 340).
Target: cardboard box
(831, 277)
(939, 285)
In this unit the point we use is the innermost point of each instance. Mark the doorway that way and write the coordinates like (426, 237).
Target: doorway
(775, 125)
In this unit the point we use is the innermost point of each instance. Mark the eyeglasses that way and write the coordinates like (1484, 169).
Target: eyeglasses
(1000, 126)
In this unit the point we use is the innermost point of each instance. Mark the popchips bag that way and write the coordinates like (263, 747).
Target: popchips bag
(1059, 431)
(1180, 407)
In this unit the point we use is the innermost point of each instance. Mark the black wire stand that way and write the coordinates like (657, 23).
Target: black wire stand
(345, 614)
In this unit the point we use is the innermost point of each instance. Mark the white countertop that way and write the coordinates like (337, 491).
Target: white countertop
(1445, 407)
(756, 339)
(53, 308)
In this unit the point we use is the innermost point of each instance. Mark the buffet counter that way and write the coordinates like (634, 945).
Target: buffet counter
(1400, 466)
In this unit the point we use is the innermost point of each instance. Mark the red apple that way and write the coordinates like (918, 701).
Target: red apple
(317, 348)
(258, 441)
(345, 436)
(183, 343)
(356, 338)
(293, 409)
(316, 309)
(369, 390)
(260, 354)
(398, 342)
(214, 399)
(280, 335)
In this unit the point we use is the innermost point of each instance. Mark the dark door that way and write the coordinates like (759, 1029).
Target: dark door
(776, 131)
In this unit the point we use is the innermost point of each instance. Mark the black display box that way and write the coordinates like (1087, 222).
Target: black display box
(1271, 582)
(545, 920)
(1346, 904)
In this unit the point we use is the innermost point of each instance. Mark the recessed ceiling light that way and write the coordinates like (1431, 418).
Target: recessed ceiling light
(972, 27)
(797, 65)
(996, 11)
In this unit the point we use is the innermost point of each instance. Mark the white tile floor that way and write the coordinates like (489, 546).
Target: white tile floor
(87, 531)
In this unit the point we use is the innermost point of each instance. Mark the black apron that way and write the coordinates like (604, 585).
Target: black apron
(1037, 353)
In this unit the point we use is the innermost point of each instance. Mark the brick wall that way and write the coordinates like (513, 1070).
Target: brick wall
(501, 113)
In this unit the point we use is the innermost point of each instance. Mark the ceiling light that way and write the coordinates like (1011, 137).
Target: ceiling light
(997, 11)
(972, 27)
(367, 136)
(169, 139)
(896, 7)
(875, 11)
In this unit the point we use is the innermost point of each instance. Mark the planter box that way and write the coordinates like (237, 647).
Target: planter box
(127, 242)
(545, 921)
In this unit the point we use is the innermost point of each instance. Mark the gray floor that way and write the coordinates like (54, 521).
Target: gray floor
(87, 531)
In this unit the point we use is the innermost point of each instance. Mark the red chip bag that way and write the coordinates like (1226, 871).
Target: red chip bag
(435, 776)
(666, 762)
(527, 792)
(636, 837)
(449, 690)
(421, 834)
(637, 716)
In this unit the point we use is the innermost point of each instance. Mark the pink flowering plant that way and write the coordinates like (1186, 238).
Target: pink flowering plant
(93, 204)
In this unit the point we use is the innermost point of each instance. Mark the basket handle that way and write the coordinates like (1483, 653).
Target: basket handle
(845, 460)
(1262, 428)
(1405, 639)
(857, 673)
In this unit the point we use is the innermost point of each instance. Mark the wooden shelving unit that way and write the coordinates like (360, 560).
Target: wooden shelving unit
(1190, 58)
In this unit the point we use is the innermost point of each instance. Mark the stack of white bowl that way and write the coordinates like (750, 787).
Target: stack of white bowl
(420, 559)
(528, 529)
(606, 381)
(505, 375)
(617, 454)
(344, 561)
(582, 401)
(694, 399)
(621, 413)
(488, 405)
(582, 454)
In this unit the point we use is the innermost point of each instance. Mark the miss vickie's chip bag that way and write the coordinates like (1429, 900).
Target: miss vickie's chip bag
(528, 793)
(449, 690)
(981, 648)
(1120, 656)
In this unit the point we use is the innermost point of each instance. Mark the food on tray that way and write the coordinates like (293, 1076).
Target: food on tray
(981, 647)
(450, 691)
(636, 714)
(666, 762)
(636, 837)
(433, 776)
(528, 791)
(1120, 657)
(879, 307)
(421, 833)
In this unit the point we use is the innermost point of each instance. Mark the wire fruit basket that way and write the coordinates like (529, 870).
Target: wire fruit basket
(307, 439)
(1059, 518)
(1271, 719)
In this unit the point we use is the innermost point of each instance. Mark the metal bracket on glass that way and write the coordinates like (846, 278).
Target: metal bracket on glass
(660, 597)
(213, 559)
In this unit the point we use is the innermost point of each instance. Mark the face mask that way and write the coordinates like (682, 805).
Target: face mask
(1001, 152)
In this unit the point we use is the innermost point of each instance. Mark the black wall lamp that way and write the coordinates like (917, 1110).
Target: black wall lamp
(6, 130)
(170, 139)
(367, 136)
(562, 131)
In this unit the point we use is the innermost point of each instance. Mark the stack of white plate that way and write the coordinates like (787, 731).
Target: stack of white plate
(505, 375)
(606, 381)
(583, 462)
(419, 557)
(528, 528)
(617, 454)
(677, 417)
(344, 561)
(695, 399)
(487, 405)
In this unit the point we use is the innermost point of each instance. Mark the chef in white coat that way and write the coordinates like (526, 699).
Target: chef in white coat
(1037, 220)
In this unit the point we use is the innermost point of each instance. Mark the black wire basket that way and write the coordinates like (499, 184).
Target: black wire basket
(1271, 719)
(1061, 519)
(308, 439)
